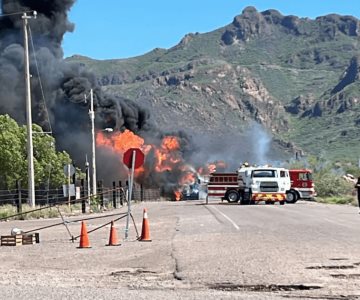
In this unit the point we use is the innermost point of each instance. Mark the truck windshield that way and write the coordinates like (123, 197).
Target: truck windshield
(263, 173)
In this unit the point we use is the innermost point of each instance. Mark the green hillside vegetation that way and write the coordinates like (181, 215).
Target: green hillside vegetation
(251, 70)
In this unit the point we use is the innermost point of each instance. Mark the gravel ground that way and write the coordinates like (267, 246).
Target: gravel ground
(195, 254)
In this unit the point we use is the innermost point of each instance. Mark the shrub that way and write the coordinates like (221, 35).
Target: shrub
(7, 210)
(328, 184)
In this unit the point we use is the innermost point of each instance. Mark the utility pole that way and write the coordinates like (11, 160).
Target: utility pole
(87, 179)
(31, 182)
(92, 119)
(131, 183)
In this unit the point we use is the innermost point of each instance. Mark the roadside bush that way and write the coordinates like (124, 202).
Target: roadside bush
(328, 184)
(38, 214)
(95, 204)
(7, 210)
(31, 213)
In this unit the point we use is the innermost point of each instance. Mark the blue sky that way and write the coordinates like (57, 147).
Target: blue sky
(125, 28)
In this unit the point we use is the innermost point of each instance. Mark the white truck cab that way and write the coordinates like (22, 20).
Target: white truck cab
(267, 184)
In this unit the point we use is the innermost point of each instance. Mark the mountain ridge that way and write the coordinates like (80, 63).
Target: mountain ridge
(288, 74)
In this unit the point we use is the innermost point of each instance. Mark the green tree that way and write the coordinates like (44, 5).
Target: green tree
(11, 152)
(48, 163)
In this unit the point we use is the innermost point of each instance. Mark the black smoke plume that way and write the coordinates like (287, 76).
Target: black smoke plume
(58, 98)
(62, 86)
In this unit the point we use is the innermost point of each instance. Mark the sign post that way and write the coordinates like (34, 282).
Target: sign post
(69, 170)
(133, 159)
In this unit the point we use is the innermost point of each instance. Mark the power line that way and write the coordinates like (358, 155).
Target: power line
(42, 95)
(40, 82)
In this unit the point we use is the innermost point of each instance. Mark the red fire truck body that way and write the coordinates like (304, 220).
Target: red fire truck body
(302, 185)
(219, 183)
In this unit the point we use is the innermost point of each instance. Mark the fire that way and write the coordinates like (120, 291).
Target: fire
(167, 155)
(177, 195)
(212, 167)
(119, 141)
(170, 143)
(188, 178)
(166, 158)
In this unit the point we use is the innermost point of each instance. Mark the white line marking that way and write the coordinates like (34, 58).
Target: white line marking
(227, 218)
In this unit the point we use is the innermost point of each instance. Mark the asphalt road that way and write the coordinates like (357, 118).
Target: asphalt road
(216, 251)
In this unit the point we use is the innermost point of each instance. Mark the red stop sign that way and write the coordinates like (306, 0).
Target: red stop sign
(128, 157)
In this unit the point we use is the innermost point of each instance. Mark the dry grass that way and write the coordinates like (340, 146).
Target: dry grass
(38, 213)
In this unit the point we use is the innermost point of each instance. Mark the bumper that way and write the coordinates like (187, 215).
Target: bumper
(307, 194)
(268, 197)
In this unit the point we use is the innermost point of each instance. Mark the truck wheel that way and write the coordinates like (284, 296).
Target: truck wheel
(291, 197)
(232, 196)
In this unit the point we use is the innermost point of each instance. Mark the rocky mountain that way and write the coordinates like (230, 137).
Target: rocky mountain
(297, 77)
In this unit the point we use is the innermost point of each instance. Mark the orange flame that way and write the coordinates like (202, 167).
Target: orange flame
(188, 178)
(167, 156)
(212, 167)
(119, 141)
(177, 195)
(170, 143)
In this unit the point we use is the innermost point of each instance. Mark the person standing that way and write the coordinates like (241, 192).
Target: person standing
(357, 186)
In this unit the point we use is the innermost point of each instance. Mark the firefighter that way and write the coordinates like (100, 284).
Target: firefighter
(357, 186)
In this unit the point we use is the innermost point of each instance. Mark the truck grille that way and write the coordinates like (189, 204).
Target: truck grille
(269, 187)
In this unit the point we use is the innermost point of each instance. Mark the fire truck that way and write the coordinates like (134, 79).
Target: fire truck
(250, 185)
(302, 185)
(221, 185)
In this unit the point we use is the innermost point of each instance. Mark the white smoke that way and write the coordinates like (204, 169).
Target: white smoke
(253, 145)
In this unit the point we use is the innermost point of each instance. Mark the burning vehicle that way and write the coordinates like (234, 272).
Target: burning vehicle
(191, 192)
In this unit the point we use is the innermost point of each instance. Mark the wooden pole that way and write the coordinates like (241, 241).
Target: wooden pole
(68, 173)
(121, 198)
(130, 194)
(82, 194)
(114, 194)
(19, 206)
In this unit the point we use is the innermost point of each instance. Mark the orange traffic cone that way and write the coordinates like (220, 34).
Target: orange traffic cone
(145, 232)
(84, 239)
(113, 240)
